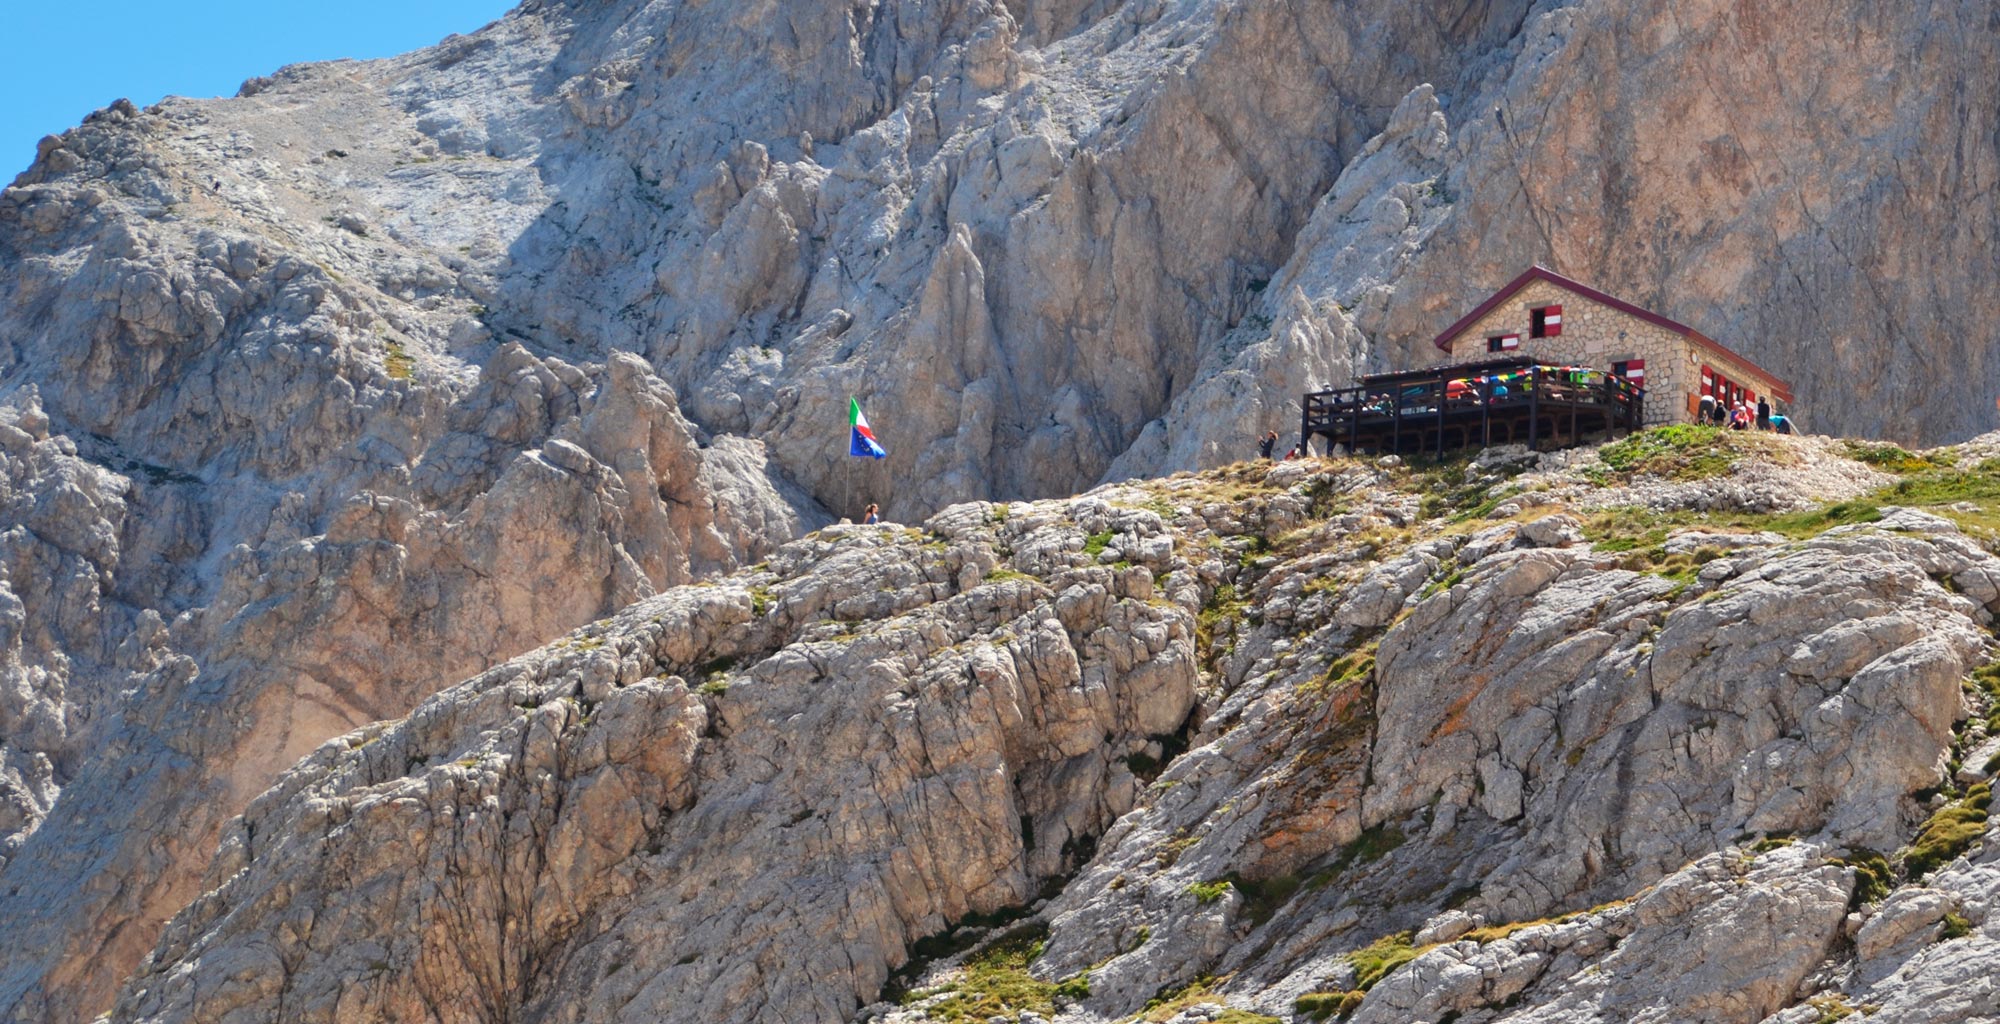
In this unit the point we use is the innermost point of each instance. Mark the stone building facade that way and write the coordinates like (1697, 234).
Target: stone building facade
(1552, 319)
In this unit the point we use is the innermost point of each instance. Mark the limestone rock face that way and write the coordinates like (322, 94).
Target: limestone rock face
(923, 743)
(175, 640)
(1241, 725)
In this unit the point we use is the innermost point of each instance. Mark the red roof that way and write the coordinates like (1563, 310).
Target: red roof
(1540, 273)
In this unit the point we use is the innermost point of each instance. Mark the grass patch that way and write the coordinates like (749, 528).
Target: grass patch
(1095, 544)
(1171, 850)
(1769, 843)
(1379, 959)
(1168, 1004)
(1891, 458)
(1873, 877)
(1944, 487)
(1970, 497)
(1496, 932)
(1221, 611)
(1325, 1005)
(1002, 575)
(1209, 891)
(1955, 927)
(1949, 832)
(1451, 492)
(1637, 529)
(1814, 522)
(715, 676)
(1355, 666)
(958, 937)
(995, 982)
(1681, 451)
(1831, 1008)
(396, 361)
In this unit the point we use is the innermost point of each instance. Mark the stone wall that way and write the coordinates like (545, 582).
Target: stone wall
(1597, 335)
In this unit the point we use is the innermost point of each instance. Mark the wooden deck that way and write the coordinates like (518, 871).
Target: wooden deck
(1474, 405)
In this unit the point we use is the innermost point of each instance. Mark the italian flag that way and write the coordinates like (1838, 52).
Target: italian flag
(861, 440)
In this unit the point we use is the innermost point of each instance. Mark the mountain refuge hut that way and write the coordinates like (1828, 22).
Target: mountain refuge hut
(1545, 361)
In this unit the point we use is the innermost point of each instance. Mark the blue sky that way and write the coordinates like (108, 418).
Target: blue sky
(66, 58)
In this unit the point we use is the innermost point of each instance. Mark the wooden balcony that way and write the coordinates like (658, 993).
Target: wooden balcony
(1474, 405)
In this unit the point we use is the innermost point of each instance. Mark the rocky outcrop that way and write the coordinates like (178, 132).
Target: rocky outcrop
(1548, 778)
(924, 741)
(170, 652)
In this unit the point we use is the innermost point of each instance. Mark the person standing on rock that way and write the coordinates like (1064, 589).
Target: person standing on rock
(1763, 413)
(1268, 445)
(872, 516)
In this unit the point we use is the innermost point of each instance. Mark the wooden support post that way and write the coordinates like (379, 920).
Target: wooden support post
(1442, 391)
(1534, 405)
(1396, 418)
(1354, 425)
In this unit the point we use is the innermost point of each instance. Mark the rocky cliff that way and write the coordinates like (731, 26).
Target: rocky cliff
(319, 399)
(1470, 744)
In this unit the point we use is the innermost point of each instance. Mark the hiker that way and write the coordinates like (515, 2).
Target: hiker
(1293, 454)
(872, 516)
(1721, 415)
(1763, 413)
(1268, 445)
(1707, 413)
(1739, 418)
(1782, 423)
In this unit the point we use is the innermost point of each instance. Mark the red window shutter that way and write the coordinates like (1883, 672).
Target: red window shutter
(1510, 342)
(1552, 321)
(1707, 380)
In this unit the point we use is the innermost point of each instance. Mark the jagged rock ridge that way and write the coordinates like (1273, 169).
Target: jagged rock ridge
(749, 800)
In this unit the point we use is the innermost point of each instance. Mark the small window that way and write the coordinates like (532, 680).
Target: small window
(1503, 343)
(1546, 322)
